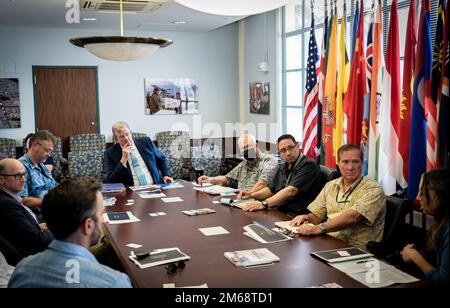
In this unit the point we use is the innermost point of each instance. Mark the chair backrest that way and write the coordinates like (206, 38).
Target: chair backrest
(396, 210)
(7, 148)
(329, 174)
(60, 161)
(12, 255)
(86, 164)
(175, 145)
(138, 135)
(87, 142)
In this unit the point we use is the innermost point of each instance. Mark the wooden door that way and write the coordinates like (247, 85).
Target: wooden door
(66, 101)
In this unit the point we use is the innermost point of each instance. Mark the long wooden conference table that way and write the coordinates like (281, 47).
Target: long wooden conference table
(207, 264)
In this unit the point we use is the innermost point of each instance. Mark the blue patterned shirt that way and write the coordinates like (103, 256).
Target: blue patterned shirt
(65, 265)
(39, 179)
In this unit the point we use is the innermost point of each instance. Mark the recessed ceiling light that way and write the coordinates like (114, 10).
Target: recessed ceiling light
(89, 19)
(179, 22)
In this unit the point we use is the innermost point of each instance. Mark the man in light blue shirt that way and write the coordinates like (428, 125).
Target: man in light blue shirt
(39, 178)
(73, 211)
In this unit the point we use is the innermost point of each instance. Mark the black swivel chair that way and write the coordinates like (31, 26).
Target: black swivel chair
(329, 174)
(12, 255)
(391, 244)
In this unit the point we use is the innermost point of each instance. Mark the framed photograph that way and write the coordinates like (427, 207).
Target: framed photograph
(259, 97)
(9, 103)
(171, 96)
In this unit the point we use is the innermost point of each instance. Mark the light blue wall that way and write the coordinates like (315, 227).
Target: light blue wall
(255, 46)
(209, 57)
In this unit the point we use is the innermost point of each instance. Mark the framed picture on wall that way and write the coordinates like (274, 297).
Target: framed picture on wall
(259, 97)
(9, 103)
(171, 96)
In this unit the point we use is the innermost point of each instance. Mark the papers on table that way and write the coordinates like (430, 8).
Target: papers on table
(119, 217)
(251, 257)
(213, 231)
(172, 285)
(201, 185)
(198, 212)
(263, 234)
(373, 273)
(151, 194)
(158, 257)
(172, 199)
(285, 225)
(142, 187)
(171, 185)
(132, 245)
(109, 201)
(215, 189)
(341, 254)
(240, 203)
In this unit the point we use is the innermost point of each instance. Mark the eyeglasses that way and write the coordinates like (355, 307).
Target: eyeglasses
(286, 232)
(17, 176)
(176, 266)
(289, 148)
(48, 151)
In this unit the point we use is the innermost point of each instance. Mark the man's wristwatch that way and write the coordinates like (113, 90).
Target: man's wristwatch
(265, 204)
(324, 228)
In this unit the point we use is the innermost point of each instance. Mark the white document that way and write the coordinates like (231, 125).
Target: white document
(215, 189)
(119, 218)
(161, 214)
(213, 231)
(172, 185)
(172, 199)
(201, 185)
(135, 246)
(285, 225)
(153, 214)
(383, 278)
(360, 266)
(150, 194)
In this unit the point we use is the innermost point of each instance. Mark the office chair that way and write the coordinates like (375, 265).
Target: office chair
(391, 244)
(11, 253)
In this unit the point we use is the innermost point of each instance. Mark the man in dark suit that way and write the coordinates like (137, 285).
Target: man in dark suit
(134, 162)
(17, 222)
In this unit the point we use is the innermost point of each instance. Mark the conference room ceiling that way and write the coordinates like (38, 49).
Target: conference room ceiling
(153, 17)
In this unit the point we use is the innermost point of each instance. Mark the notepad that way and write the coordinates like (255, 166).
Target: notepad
(341, 254)
(112, 188)
(159, 256)
(263, 234)
(119, 217)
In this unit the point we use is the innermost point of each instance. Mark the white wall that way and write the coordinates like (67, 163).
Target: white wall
(255, 47)
(209, 57)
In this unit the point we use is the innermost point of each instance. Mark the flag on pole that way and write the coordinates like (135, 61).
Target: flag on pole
(344, 70)
(321, 77)
(329, 108)
(444, 103)
(390, 109)
(355, 30)
(421, 93)
(311, 98)
(407, 95)
(375, 94)
(354, 98)
(366, 112)
(431, 108)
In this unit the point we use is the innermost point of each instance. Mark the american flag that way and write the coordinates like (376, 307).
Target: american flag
(311, 98)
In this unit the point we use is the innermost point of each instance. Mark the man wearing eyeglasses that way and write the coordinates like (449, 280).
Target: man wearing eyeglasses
(39, 178)
(18, 224)
(351, 208)
(250, 175)
(295, 184)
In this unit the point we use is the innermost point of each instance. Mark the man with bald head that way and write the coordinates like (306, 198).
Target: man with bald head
(18, 224)
(252, 174)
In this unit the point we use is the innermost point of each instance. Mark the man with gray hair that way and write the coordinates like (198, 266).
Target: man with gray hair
(38, 178)
(252, 174)
(134, 162)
